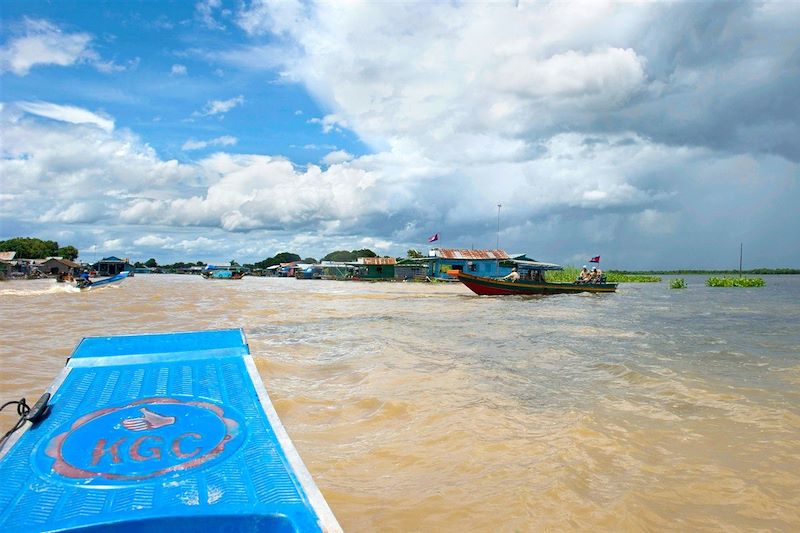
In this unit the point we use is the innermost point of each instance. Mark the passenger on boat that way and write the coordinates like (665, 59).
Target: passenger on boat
(536, 276)
(597, 275)
(584, 276)
(513, 276)
(84, 280)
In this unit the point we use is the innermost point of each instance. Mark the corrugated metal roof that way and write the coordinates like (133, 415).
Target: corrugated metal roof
(377, 260)
(453, 253)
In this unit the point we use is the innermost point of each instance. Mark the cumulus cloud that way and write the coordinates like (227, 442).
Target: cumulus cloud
(113, 244)
(178, 70)
(74, 171)
(337, 156)
(225, 140)
(601, 128)
(152, 240)
(216, 107)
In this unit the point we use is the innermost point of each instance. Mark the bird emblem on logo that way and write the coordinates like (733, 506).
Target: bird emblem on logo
(148, 420)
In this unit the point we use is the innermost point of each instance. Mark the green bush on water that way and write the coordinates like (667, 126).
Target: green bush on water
(735, 282)
(677, 283)
(570, 274)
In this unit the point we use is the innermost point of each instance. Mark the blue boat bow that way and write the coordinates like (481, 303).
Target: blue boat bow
(169, 432)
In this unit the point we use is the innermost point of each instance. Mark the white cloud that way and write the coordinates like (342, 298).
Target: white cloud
(200, 244)
(73, 171)
(215, 107)
(571, 115)
(113, 245)
(178, 70)
(206, 11)
(65, 113)
(329, 122)
(225, 140)
(157, 241)
(338, 156)
(43, 43)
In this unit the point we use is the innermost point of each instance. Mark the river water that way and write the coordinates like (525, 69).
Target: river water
(422, 407)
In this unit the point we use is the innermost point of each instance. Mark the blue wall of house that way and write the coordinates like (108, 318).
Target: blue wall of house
(479, 267)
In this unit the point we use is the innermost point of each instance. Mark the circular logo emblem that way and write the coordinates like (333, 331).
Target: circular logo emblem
(140, 440)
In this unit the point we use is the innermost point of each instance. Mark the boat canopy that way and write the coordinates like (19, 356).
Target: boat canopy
(535, 265)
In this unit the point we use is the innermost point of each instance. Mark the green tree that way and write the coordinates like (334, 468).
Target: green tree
(413, 253)
(151, 263)
(339, 256)
(310, 260)
(283, 257)
(68, 252)
(30, 248)
(364, 252)
(343, 256)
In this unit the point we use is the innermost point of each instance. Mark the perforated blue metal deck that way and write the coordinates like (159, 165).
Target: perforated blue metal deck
(171, 432)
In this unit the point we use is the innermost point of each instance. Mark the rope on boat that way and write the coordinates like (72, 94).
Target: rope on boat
(26, 414)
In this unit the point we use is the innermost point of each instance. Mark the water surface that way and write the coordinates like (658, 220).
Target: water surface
(422, 407)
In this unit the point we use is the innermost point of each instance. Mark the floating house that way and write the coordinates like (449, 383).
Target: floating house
(337, 270)
(55, 266)
(306, 271)
(375, 268)
(287, 270)
(7, 264)
(488, 263)
(111, 266)
(408, 269)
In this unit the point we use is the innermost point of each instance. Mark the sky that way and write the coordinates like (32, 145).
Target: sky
(656, 135)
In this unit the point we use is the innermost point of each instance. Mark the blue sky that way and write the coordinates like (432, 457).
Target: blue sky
(657, 135)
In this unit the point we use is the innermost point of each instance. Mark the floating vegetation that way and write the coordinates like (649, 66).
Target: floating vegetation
(570, 274)
(735, 282)
(677, 283)
(618, 277)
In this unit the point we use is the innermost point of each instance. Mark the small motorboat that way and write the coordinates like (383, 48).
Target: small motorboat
(85, 284)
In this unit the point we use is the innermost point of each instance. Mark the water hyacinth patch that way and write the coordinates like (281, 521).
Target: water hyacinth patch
(735, 282)
(570, 274)
(677, 283)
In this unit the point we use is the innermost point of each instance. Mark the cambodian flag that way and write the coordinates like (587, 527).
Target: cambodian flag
(595, 259)
(434, 237)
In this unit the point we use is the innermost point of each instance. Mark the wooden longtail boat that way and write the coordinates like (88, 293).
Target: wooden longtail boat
(531, 282)
(166, 433)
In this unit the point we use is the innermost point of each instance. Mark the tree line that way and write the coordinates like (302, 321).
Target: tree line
(32, 248)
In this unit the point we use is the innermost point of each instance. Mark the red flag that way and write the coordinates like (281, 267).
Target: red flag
(595, 259)
(434, 237)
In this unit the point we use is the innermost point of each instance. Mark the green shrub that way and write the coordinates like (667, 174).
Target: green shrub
(677, 283)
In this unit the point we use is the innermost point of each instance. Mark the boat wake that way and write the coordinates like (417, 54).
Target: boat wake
(53, 288)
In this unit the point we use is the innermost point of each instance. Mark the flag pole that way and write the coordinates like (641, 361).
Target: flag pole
(740, 260)
(497, 247)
